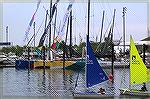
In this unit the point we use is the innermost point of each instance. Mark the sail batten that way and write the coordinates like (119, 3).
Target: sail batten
(138, 70)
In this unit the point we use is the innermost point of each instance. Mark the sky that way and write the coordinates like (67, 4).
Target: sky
(18, 15)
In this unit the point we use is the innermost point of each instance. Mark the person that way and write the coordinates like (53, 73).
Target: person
(144, 87)
(101, 91)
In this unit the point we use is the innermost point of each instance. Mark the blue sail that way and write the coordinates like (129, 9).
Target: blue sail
(94, 72)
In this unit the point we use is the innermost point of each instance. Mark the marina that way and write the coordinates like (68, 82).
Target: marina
(75, 50)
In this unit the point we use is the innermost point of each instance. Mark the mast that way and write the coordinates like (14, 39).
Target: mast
(102, 26)
(55, 25)
(87, 35)
(34, 33)
(64, 46)
(46, 18)
(70, 50)
(50, 12)
(124, 11)
(6, 33)
(88, 20)
(112, 70)
(148, 19)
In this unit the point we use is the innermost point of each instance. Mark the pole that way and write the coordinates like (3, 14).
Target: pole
(102, 26)
(70, 49)
(87, 36)
(34, 33)
(55, 25)
(50, 11)
(148, 19)
(88, 20)
(6, 33)
(112, 46)
(124, 11)
(43, 49)
(63, 56)
(65, 47)
(144, 50)
(28, 58)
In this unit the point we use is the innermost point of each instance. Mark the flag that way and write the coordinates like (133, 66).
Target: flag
(61, 31)
(69, 8)
(30, 23)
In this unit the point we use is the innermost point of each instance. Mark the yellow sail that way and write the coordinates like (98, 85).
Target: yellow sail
(138, 70)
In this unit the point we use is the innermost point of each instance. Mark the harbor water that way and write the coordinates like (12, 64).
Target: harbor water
(39, 82)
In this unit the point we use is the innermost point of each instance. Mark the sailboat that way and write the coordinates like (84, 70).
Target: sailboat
(94, 72)
(139, 73)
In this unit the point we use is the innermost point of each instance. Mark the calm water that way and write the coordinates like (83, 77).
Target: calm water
(37, 82)
(50, 82)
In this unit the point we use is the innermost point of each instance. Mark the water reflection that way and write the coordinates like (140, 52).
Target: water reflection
(49, 82)
(36, 82)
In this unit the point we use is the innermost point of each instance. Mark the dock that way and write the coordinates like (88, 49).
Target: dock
(7, 66)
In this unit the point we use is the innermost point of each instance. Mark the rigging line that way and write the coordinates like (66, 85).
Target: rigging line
(123, 81)
(111, 15)
(92, 32)
(81, 21)
(40, 27)
(83, 18)
(139, 19)
(117, 30)
(104, 35)
(100, 26)
(36, 33)
(109, 9)
(107, 18)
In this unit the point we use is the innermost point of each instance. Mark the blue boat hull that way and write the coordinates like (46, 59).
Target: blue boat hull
(24, 64)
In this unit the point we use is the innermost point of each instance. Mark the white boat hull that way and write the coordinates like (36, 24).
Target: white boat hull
(134, 92)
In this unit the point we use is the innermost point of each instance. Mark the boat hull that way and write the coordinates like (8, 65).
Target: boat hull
(134, 92)
(23, 64)
(52, 64)
(79, 65)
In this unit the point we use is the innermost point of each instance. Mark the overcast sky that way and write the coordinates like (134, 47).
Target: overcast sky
(18, 15)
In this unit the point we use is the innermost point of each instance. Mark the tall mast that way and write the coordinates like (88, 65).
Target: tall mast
(70, 34)
(34, 33)
(88, 20)
(55, 25)
(124, 11)
(87, 35)
(148, 19)
(102, 26)
(50, 12)
(112, 70)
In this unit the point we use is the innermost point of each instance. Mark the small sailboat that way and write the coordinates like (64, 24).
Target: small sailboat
(94, 73)
(139, 73)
